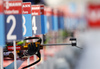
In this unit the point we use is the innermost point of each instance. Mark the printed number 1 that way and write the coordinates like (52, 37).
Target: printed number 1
(34, 25)
(9, 35)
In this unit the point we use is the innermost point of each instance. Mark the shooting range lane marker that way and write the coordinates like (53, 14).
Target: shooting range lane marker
(15, 64)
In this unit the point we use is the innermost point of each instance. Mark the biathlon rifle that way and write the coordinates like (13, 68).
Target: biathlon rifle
(25, 49)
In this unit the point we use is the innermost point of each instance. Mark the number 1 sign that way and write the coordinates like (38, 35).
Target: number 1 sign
(13, 19)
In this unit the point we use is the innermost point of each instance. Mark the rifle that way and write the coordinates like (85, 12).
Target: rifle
(25, 49)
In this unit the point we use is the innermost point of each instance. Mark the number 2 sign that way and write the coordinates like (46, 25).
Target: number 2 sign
(13, 19)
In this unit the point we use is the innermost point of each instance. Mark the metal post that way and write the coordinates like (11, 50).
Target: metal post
(42, 51)
(15, 64)
(35, 58)
(54, 48)
(1, 54)
(28, 61)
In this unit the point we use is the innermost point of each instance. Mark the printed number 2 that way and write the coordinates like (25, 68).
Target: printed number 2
(24, 26)
(34, 24)
(9, 35)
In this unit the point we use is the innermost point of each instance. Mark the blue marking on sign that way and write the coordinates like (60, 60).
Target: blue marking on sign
(28, 25)
(44, 24)
(41, 24)
(60, 22)
(55, 23)
(17, 31)
(71, 23)
(49, 20)
(2, 31)
(37, 24)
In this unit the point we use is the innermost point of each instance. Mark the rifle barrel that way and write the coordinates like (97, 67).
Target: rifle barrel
(55, 44)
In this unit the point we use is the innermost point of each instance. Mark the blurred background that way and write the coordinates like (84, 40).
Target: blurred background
(81, 20)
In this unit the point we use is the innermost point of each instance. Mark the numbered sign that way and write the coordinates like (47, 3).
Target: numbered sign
(27, 19)
(60, 20)
(49, 18)
(93, 15)
(73, 22)
(55, 20)
(2, 26)
(13, 20)
(38, 20)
